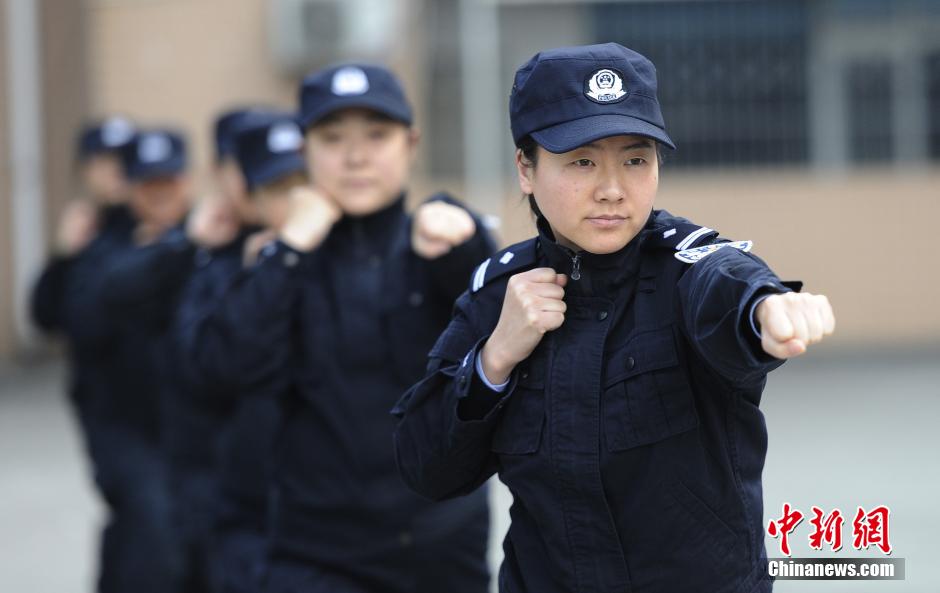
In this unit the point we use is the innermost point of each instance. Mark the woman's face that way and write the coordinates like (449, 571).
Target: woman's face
(273, 200)
(104, 179)
(597, 197)
(161, 202)
(360, 159)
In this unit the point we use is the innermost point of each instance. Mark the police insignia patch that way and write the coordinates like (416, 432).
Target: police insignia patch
(605, 86)
(690, 256)
(284, 137)
(350, 81)
(154, 148)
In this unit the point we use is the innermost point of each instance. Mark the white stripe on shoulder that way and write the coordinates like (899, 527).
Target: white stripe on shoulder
(480, 275)
(692, 238)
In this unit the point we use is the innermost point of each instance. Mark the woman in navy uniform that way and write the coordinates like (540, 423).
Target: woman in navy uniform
(336, 318)
(610, 369)
(267, 148)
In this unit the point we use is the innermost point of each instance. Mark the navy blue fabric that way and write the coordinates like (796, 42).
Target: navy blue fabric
(154, 154)
(631, 438)
(345, 86)
(112, 388)
(107, 136)
(268, 146)
(226, 126)
(336, 335)
(553, 99)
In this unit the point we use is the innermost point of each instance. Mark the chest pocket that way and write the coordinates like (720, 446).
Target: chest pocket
(647, 397)
(521, 424)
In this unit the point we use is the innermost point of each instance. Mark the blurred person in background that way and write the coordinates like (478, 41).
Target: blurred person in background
(610, 369)
(336, 318)
(268, 149)
(115, 354)
(98, 209)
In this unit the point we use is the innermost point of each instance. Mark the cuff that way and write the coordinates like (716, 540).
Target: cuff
(482, 376)
(750, 316)
(277, 250)
(476, 399)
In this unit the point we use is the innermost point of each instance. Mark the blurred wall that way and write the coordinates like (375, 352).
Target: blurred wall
(6, 245)
(857, 231)
(178, 62)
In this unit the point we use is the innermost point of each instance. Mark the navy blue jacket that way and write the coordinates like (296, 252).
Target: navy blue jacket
(339, 333)
(631, 438)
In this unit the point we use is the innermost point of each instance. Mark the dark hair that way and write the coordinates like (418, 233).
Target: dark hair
(530, 152)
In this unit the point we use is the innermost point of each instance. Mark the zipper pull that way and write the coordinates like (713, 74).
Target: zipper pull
(576, 267)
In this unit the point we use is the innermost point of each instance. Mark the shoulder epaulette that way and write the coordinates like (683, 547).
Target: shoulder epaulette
(507, 261)
(675, 232)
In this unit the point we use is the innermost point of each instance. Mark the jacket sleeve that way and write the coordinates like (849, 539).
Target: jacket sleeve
(149, 278)
(446, 421)
(47, 299)
(716, 295)
(450, 273)
(202, 292)
(244, 339)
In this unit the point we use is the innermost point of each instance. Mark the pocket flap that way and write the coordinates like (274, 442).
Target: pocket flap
(646, 351)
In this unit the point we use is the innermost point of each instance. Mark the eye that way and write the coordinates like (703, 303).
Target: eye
(583, 163)
(379, 133)
(330, 137)
(636, 161)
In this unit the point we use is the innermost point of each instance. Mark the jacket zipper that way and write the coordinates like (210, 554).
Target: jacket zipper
(576, 266)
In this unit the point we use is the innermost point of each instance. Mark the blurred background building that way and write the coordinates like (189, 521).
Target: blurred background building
(809, 126)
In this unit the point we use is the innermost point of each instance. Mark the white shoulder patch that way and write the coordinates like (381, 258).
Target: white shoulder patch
(690, 256)
(479, 276)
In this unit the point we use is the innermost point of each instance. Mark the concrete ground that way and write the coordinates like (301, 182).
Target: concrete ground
(846, 430)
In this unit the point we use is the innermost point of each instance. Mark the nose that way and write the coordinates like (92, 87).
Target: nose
(610, 189)
(356, 154)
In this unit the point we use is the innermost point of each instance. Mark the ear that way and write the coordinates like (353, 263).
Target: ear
(414, 139)
(526, 172)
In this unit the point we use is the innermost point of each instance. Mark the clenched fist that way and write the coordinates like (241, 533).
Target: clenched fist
(213, 223)
(78, 225)
(792, 321)
(310, 217)
(438, 227)
(534, 304)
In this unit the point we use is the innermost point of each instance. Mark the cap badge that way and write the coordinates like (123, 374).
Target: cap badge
(350, 81)
(605, 86)
(154, 148)
(116, 131)
(284, 137)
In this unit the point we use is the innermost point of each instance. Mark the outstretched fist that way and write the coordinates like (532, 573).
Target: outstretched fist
(791, 322)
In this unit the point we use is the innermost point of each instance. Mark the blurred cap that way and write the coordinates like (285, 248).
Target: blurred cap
(268, 147)
(108, 135)
(352, 85)
(226, 124)
(568, 97)
(153, 154)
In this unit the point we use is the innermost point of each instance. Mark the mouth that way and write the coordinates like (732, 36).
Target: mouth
(606, 221)
(358, 183)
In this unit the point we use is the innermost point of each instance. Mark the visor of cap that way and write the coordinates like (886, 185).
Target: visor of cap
(569, 135)
(380, 103)
(168, 168)
(281, 166)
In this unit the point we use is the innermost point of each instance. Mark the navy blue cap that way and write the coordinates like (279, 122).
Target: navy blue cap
(153, 154)
(108, 135)
(568, 97)
(226, 124)
(345, 86)
(268, 147)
